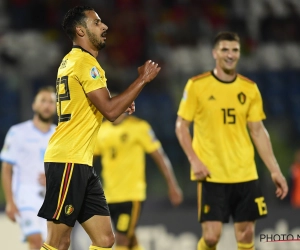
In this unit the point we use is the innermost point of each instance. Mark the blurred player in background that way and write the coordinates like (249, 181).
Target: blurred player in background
(294, 181)
(23, 177)
(222, 103)
(122, 146)
(73, 190)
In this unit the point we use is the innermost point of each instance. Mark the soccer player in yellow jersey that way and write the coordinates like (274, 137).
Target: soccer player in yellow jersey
(222, 104)
(122, 146)
(74, 191)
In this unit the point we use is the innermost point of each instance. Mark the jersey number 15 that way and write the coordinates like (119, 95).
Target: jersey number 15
(228, 116)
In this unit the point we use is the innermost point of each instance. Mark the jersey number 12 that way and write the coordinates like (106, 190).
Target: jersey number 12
(62, 97)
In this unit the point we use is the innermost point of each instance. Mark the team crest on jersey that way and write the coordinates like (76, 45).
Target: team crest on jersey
(242, 97)
(95, 73)
(206, 209)
(69, 209)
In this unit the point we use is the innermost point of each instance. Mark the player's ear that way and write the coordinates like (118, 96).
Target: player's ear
(214, 54)
(33, 106)
(79, 31)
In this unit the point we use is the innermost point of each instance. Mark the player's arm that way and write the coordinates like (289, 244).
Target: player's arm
(113, 107)
(11, 208)
(183, 134)
(262, 142)
(42, 179)
(165, 166)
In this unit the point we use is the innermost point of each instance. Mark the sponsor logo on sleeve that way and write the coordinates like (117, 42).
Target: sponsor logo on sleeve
(95, 73)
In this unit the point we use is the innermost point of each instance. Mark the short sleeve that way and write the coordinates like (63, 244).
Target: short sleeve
(90, 75)
(147, 138)
(10, 148)
(256, 112)
(188, 103)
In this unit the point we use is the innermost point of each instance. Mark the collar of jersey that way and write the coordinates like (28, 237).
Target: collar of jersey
(226, 82)
(79, 47)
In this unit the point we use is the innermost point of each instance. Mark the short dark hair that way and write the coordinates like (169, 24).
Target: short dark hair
(48, 88)
(226, 36)
(73, 17)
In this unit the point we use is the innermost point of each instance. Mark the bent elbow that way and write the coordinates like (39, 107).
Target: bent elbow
(111, 116)
(110, 119)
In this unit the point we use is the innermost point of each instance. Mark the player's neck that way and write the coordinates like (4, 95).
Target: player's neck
(85, 45)
(41, 125)
(224, 76)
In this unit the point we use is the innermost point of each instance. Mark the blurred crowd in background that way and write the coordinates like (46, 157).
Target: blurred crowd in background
(178, 35)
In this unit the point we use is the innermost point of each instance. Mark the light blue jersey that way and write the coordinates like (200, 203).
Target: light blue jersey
(24, 149)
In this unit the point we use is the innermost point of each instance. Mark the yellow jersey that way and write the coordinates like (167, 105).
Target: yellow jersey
(78, 119)
(220, 112)
(122, 148)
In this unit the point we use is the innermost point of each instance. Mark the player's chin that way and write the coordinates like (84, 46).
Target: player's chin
(46, 117)
(232, 65)
(102, 45)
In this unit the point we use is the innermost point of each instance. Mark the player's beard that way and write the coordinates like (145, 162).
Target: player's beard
(93, 39)
(43, 118)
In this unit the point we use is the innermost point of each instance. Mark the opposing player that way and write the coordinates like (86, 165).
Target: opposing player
(74, 191)
(122, 146)
(222, 103)
(23, 177)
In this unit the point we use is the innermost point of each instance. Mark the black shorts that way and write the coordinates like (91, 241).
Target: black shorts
(218, 201)
(73, 192)
(125, 216)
